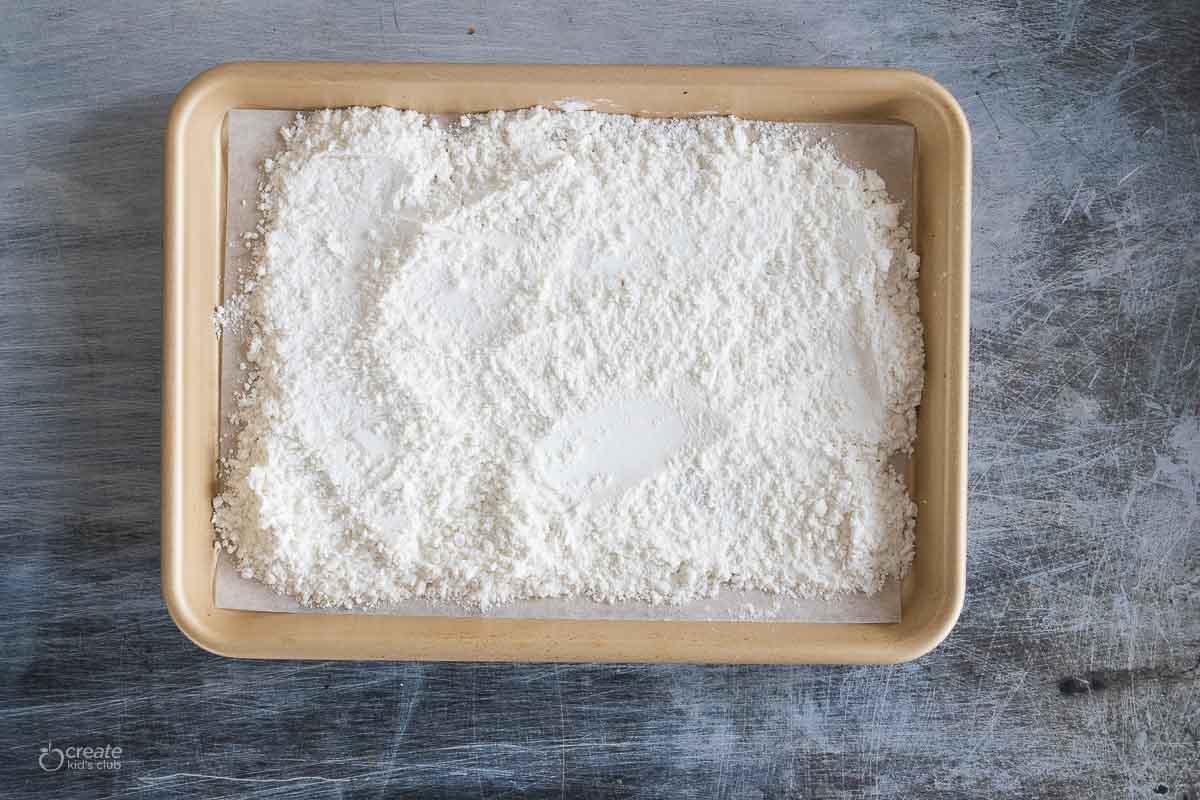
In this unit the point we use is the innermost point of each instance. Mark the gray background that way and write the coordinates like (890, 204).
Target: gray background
(1075, 670)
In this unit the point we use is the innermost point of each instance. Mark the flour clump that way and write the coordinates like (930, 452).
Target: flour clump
(544, 354)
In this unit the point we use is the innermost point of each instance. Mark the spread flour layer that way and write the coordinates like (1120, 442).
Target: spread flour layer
(544, 354)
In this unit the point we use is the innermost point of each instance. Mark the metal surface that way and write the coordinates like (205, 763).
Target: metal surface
(1073, 671)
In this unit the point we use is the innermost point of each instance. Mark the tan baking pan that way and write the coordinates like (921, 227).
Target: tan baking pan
(192, 229)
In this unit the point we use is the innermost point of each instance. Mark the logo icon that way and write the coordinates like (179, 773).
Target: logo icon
(51, 758)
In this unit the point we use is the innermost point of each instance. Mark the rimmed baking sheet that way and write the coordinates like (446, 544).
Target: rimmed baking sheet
(194, 245)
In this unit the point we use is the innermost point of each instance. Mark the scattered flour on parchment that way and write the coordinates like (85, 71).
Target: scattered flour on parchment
(543, 354)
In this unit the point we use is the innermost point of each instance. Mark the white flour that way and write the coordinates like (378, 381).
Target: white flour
(541, 354)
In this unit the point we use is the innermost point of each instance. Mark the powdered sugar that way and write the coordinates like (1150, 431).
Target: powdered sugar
(551, 354)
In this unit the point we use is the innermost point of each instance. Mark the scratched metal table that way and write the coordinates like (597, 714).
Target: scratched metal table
(1075, 671)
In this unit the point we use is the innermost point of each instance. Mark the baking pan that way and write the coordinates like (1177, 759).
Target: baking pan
(193, 251)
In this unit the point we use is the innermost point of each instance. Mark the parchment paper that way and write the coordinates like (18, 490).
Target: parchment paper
(254, 135)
